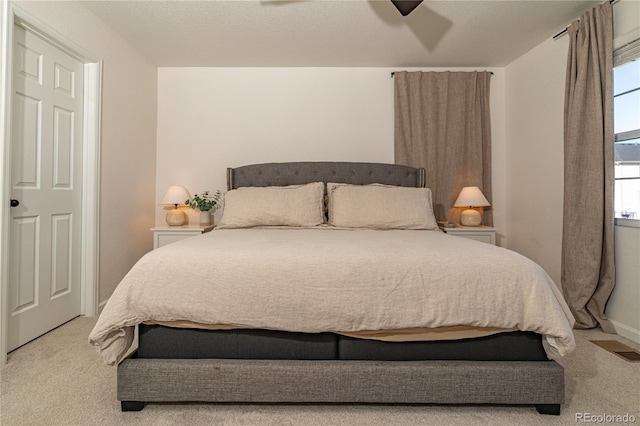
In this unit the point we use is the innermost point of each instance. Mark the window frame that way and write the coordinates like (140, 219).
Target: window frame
(624, 55)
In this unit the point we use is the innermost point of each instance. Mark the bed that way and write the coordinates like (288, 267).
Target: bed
(307, 336)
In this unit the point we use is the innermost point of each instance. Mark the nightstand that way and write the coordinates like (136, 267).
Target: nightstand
(163, 235)
(485, 234)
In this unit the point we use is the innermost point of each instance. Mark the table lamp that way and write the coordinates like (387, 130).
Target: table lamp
(471, 197)
(176, 196)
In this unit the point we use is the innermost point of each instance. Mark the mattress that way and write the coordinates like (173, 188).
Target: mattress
(156, 341)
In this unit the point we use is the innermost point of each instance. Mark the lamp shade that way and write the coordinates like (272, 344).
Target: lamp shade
(176, 195)
(471, 196)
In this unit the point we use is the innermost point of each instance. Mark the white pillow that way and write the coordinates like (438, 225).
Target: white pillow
(380, 207)
(295, 205)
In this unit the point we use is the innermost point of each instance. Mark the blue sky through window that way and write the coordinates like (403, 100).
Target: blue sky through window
(626, 101)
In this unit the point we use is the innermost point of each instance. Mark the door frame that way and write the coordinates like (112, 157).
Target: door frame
(10, 15)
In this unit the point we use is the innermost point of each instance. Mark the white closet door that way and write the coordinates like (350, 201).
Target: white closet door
(46, 179)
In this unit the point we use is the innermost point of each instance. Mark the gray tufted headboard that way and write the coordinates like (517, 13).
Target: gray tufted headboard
(282, 174)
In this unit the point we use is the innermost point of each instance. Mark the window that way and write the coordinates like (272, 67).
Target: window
(626, 104)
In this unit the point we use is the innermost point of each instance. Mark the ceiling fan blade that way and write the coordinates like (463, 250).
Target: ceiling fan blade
(405, 7)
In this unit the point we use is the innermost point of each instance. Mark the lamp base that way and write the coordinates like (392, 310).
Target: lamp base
(175, 217)
(470, 217)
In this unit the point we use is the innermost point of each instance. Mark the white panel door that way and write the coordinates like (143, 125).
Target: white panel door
(46, 180)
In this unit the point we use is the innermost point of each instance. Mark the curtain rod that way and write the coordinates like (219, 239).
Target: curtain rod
(394, 73)
(563, 32)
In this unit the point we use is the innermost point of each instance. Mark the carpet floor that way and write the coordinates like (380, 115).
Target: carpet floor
(59, 379)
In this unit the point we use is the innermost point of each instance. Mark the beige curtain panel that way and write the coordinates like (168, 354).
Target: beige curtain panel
(588, 271)
(443, 123)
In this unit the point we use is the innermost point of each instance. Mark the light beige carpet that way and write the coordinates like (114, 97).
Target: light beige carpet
(59, 379)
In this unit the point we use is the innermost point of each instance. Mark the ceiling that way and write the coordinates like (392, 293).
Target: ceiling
(335, 33)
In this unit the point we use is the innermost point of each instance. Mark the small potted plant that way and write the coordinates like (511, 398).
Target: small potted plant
(206, 204)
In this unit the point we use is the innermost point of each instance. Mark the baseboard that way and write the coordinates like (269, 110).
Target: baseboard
(626, 331)
(103, 303)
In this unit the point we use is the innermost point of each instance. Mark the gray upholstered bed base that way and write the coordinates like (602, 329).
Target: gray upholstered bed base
(539, 383)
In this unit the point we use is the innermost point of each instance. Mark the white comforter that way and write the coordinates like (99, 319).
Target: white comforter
(314, 280)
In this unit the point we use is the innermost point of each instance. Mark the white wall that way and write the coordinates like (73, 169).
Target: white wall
(535, 153)
(626, 22)
(128, 136)
(213, 118)
(623, 308)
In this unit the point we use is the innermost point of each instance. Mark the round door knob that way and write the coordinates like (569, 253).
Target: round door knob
(15, 203)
